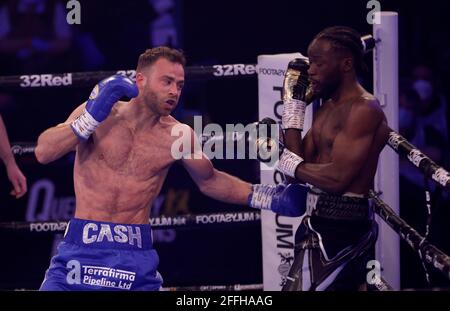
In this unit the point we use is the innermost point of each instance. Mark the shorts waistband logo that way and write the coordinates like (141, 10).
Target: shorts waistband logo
(112, 233)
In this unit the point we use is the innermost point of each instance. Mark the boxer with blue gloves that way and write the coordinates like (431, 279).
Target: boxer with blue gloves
(123, 153)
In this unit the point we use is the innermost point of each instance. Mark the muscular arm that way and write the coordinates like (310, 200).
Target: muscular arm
(293, 141)
(214, 183)
(350, 152)
(302, 147)
(217, 184)
(56, 141)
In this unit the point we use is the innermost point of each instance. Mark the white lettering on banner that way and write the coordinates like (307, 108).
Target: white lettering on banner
(234, 70)
(161, 221)
(48, 226)
(19, 150)
(46, 80)
(167, 221)
(278, 105)
(415, 156)
(285, 236)
(131, 74)
(43, 205)
(271, 71)
(284, 233)
(228, 217)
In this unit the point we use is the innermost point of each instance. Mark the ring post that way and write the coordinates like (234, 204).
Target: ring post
(385, 77)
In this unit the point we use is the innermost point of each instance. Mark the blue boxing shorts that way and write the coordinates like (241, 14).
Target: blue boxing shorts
(104, 256)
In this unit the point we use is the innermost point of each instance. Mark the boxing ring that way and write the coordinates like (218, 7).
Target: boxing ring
(277, 231)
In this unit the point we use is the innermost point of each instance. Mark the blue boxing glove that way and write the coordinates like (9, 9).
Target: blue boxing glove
(100, 102)
(286, 200)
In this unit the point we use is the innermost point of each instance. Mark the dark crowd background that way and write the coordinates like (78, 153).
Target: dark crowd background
(35, 38)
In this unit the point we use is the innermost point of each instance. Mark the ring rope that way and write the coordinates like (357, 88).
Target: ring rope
(90, 78)
(23, 148)
(162, 222)
(427, 166)
(396, 141)
(430, 253)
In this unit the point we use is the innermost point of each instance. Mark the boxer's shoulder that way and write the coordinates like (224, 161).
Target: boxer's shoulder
(119, 109)
(367, 107)
(174, 126)
(169, 121)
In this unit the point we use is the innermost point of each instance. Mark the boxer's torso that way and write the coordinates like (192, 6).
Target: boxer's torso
(329, 122)
(120, 170)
